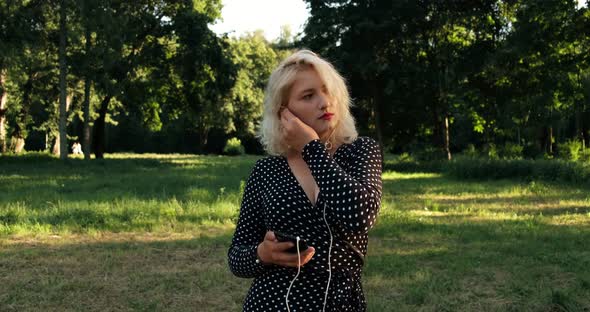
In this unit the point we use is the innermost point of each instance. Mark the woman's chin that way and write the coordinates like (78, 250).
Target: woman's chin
(325, 131)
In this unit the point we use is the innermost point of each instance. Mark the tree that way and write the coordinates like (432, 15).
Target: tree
(255, 58)
(63, 139)
(201, 75)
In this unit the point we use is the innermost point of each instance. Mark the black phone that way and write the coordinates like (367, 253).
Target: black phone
(283, 237)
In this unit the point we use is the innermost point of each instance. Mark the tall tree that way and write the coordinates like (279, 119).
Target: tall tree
(63, 139)
(255, 58)
(202, 74)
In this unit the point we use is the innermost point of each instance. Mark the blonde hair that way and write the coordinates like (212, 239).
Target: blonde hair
(277, 96)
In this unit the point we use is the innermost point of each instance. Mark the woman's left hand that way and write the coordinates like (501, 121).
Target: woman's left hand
(295, 132)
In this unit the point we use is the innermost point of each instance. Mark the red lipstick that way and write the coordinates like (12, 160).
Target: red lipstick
(327, 116)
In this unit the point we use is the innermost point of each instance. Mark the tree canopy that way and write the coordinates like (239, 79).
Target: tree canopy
(440, 76)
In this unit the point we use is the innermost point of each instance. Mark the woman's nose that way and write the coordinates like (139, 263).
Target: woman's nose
(324, 101)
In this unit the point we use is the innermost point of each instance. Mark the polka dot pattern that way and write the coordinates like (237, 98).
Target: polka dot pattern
(350, 186)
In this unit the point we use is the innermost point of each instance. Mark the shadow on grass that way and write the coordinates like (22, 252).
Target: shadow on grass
(489, 265)
(412, 265)
(43, 179)
(170, 275)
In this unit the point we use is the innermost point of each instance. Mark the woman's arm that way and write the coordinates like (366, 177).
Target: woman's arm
(353, 197)
(249, 232)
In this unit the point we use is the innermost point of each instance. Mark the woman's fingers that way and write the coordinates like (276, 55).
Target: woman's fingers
(287, 113)
(308, 255)
(290, 259)
(270, 235)
(282, 246)
(279, 255)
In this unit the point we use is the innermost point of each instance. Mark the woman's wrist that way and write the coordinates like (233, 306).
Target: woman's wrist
(258, 258)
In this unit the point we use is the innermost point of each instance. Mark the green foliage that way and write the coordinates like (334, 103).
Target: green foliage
(491, 151)
(407, 163)
(570, 150)
(511, 151)
(470, 151)
(256, 59)
(233, 147)
(427, 153)
(532, 151)
(468, 166)
(511, 71)
(504, 71)
(545, 170)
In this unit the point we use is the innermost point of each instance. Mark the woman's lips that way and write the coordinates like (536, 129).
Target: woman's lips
(327, 116)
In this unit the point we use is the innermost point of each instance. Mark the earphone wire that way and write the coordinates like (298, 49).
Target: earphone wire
(329, 262)
(299, 266)
(328, 143)
(297, 275)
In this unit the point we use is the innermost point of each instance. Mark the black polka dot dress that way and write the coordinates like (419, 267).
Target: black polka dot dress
(350, 191)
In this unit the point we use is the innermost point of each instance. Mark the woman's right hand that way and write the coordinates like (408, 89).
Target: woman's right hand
(271, 251)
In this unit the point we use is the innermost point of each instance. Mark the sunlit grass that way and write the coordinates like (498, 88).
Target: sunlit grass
(150, 232)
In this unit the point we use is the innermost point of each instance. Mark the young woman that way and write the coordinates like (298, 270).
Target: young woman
(321, 184)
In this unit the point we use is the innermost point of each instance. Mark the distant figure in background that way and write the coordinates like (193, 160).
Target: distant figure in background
(77, 148)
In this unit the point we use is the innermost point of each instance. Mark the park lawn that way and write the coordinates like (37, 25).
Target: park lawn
(151, 232)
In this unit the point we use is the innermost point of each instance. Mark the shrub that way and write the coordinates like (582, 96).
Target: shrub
(570, 150)
(405, 157)
(233, 147)
(470, 151)
(407, 163)
(532, 150)
(429, 153)
(491, 151)
(511, 151)
(546, 170)
(467, 168)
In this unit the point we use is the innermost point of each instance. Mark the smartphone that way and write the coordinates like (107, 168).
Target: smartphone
(283, 237)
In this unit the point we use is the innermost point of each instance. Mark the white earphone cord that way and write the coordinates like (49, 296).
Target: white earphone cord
(299, 267)
(329, 262)
(297, 275)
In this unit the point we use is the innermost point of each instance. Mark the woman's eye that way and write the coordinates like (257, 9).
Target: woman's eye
(307, 97)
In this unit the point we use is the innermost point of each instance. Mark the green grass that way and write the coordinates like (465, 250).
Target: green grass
(150, 232)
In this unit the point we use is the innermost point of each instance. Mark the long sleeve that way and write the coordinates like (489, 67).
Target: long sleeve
(249, 232)
(353, 197)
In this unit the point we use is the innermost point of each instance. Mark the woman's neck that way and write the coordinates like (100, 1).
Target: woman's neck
(292, 154)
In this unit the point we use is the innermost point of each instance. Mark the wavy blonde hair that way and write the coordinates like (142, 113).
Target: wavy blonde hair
(277, 96)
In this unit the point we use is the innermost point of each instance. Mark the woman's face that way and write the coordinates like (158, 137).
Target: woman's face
(310, 101)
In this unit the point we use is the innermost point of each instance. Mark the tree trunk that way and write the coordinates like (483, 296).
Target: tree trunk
(57, 147)
(447, 138)
(437, 132)
(585, 133)
(542, 138)
(87, 82)
(18, 135)
(98, 140)
(203, 135)
(550, 140)
(18, 145)
(376, 96)
(63, 139)
(3, 98)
